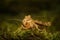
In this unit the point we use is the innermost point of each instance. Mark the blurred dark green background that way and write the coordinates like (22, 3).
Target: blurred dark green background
(45, 10)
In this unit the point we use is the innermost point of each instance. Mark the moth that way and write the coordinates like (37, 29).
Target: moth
(28, 23)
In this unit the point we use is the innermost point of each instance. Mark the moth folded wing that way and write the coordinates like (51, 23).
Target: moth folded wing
(40, 23)
(43, 23)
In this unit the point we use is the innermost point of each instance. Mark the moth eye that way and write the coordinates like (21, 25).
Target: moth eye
(26, 23)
